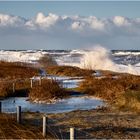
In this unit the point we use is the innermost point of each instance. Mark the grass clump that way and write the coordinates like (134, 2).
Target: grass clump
(124, 92)
(49, 90)
(68, 71)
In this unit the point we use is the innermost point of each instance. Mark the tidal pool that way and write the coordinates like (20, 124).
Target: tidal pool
(64, 105)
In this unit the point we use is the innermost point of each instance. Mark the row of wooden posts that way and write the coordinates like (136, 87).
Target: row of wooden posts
(31, 84)
(44, 125)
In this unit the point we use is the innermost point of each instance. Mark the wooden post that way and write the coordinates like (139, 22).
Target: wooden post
(40, 81)
(72, 134)
(31, 83)
(44, 126)
(13, 87)
(18, 114)
(0, 107)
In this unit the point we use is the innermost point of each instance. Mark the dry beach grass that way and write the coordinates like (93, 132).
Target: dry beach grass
(47, 91)
(123, 93)
(100, 124)
(68, 71)
(11, 70)
(9, 129)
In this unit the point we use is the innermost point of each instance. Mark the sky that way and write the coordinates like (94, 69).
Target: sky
(69, 25)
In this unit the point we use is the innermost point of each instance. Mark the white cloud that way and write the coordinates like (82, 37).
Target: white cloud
(77, 25)
(70, 30)
(120, 21)
(73, 22)
(46, 21)
(8, 20)
(96, 23)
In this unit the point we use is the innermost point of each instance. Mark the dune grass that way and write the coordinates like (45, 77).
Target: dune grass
(9, 129)
(21, 87)
(129, 101)
(11, 70)
(68, 71)
(123, 92)
(48, 90)
(15, 72)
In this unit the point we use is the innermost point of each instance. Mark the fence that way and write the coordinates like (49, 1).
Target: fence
(31, 82)
(45, 125)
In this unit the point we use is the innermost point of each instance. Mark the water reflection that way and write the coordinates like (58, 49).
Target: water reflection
(64, 105)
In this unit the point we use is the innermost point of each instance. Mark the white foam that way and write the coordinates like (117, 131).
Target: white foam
(137, 65)
(20, 56)
(100, 58)
(122, 53)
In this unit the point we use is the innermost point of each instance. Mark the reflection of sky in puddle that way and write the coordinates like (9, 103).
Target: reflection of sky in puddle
(64, 105)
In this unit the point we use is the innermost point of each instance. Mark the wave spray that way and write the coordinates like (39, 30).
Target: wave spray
(99, 58)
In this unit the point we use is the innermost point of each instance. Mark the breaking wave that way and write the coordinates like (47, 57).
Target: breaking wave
(99, 58)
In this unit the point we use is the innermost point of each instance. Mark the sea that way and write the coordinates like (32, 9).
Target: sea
(123, 61)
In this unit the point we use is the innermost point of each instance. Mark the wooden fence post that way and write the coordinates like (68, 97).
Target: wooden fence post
(31, 83)
(40, 81)
(0, 107)
(13, 87)
(44, 126)
(18, 114)
(72, 137)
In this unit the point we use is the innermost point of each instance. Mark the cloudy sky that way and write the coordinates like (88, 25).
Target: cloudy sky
(69, 25)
